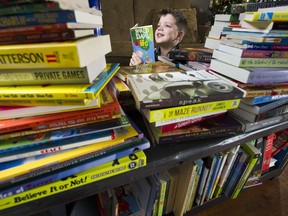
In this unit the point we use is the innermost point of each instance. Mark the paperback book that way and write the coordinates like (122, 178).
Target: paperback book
(219, 126)
(124, 164)
(142, 38)
(160, 90)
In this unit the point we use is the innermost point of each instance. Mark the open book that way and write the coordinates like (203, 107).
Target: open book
(142, 39)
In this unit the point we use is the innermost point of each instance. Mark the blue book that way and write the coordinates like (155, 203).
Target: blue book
(41, 18)
(66, 171)
(238, 170)
(214, 174)
(263, 99)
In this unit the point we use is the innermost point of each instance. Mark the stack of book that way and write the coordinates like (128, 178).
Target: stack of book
(181, 106)
(255, 59)
(59, 115)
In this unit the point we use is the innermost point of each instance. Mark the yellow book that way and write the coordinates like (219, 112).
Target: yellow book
(77, 53)
(57, 161)
(278, 16)
(55, 102)
(65, 92)
(189, 110)
(125, 164)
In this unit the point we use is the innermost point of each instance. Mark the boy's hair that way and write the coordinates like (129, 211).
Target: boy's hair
(181, 20)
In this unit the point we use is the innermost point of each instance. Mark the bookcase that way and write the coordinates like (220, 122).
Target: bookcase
(159, 158)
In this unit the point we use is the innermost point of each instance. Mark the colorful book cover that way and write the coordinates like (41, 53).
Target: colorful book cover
(78, 53)
(124, 164)
(277, 16)
(189, 110)
(254, 155)
(160, 90)
(92, 161)
(46, 164)
(142, 38)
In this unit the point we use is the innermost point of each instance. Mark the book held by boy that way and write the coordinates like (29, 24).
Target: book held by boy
(142, 38)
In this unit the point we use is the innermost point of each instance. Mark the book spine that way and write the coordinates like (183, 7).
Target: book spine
(30, 8)
(254, 6)
(48, 164)
(266, 99)
(95, 174)
(267, 152)
(30, 19)
(161, 197)
(60, 55)
(251, 126)
(76, 118)
(245, 176)
(45, 76)
(264, 54)
(91, 161)
(10, 153)
(189, 110)
(56, 102)
(263, 62)
(199, 135)
(37, 37)
(278, 16)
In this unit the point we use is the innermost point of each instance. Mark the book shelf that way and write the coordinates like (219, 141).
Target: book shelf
(159, 158)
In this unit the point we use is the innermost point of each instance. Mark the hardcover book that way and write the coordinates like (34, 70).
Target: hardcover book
(44, 36)
(67, 92)
(220, 126)
(45, 165)
(124, 164)
(49, 76)
(255, 75)
(160, 90)
(88, 162)
(191, 54)
(65, 54)
(250, 62)
(279, 16)
(60, 16)
(142, 38)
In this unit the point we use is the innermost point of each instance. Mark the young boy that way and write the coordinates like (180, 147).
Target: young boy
(170, 31)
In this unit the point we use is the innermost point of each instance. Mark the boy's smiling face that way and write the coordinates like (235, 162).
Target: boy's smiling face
(167, 31)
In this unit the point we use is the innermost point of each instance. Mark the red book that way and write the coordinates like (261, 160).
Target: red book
(267, 154)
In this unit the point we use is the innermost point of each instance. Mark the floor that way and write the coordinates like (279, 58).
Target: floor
(268, 199)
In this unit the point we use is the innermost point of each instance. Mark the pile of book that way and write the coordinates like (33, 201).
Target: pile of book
(181, 106)
(59, 115)
(254, 58)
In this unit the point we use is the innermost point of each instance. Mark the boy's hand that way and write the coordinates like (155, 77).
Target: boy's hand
(135, 59)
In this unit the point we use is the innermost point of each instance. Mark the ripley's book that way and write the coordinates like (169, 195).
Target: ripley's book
(67, 92)
(112, 168)
(161, 90)
(65, 54)
(142, 38)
